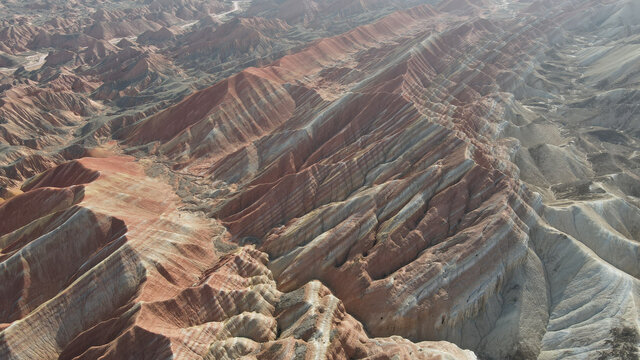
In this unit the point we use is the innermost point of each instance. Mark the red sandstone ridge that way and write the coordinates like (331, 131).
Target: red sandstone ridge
(159, 36)
(321, 179)
(156, 266)
(123, 243)
(247, 35)
(381, 174)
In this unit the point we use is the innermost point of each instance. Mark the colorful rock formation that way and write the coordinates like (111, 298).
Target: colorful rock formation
(308, 180)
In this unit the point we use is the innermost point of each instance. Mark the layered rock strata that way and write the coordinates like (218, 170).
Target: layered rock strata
(464, 171)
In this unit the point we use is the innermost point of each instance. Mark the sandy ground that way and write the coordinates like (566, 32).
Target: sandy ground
(221, 16)
(31, 62)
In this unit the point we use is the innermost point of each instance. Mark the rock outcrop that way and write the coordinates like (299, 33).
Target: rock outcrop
(394, 182)
(321, 179)
(140, 271)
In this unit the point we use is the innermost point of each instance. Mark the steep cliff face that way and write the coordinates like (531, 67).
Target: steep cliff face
(459, 172)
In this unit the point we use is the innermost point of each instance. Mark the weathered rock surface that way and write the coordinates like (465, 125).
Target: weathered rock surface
(118, 245)
(140, 271)
(399, 179)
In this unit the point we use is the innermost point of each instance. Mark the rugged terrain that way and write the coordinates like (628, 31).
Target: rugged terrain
(320, 179)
